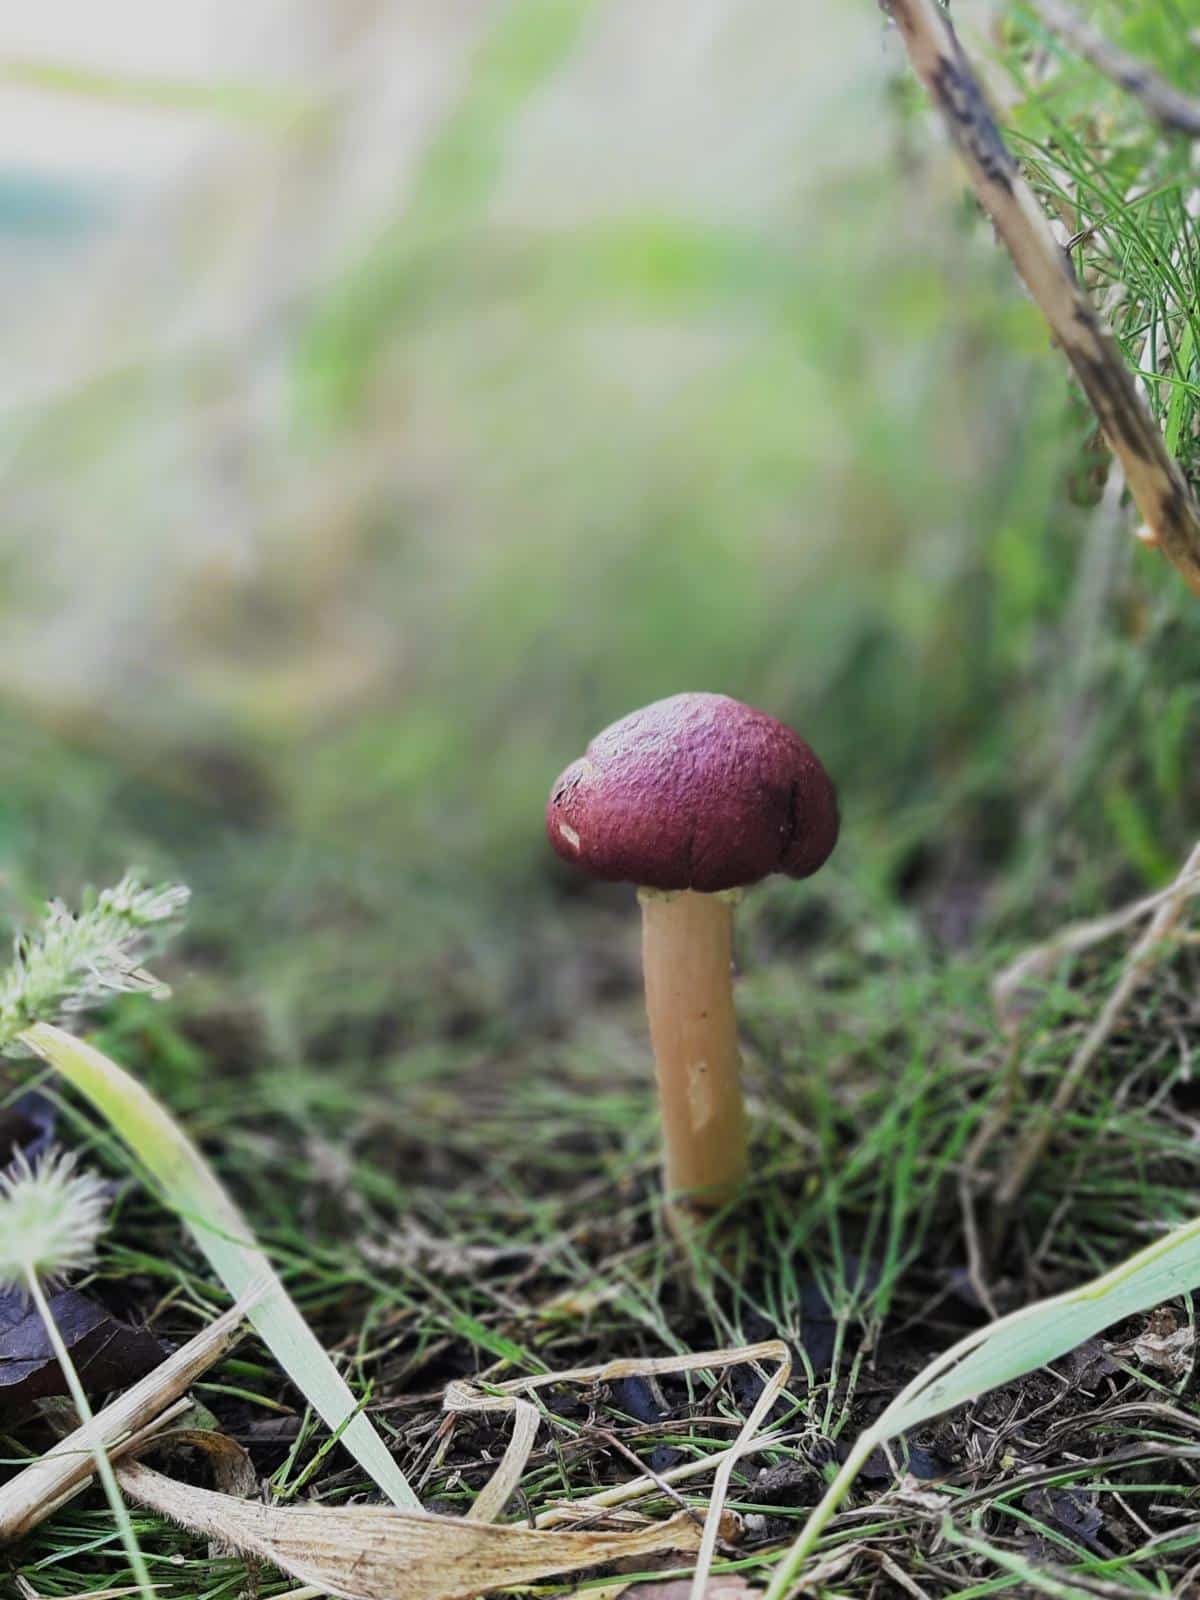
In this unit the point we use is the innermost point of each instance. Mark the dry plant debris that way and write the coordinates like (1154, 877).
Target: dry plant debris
(372, 1553)
(133, 1417)
(1165, 911)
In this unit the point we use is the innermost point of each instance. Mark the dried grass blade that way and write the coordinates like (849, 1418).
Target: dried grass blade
(466, 1397)
(463, 1396)
(1138, 965)
(496, 1493)
(375, 1553)
(1040, 961)
(746, 1441)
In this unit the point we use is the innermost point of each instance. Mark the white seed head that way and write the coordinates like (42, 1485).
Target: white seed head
(51, 1216)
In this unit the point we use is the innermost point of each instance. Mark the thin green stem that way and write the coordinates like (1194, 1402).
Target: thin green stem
(104, 1469)
(790, 1567)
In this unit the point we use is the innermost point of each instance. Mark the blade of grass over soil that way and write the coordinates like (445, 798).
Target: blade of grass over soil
(191, 1187)
(997, 1354)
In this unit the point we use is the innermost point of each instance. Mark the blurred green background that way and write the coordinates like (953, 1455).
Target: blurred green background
(400, 393)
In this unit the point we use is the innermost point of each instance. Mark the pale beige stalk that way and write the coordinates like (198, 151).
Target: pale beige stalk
(687, 955)
(1162, 493)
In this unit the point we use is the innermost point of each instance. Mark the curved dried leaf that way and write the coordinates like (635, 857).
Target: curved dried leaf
(374, 1553)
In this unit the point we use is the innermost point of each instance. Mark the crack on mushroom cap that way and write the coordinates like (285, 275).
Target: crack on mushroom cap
(694, 792)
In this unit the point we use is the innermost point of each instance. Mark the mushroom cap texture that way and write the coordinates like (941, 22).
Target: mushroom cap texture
(694, 792)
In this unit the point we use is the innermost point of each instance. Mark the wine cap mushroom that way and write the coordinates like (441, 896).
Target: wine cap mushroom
(695, 792)
(689, 798)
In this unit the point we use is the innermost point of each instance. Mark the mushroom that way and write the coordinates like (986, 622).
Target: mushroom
(693, 799)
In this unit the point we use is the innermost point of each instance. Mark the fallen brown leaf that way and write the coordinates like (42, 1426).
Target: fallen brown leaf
(108, 1354)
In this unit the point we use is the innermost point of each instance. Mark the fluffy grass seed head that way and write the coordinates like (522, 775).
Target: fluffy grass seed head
(51, 1216)
(76, 960)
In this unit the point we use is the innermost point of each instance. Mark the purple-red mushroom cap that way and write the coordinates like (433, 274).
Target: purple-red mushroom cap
(695, 792)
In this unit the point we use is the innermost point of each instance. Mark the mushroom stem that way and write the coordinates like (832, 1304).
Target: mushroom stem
(687, 952)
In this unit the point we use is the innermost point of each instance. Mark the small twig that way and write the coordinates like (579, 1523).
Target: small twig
(1168, 105)
(1137, 965)
(620, 1494)
(900, 1578)
(1155, 481)
(666, 1489)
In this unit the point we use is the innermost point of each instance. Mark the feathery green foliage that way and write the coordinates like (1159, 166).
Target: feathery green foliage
(76, 960)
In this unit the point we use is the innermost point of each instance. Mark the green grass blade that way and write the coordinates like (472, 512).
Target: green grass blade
(1005, 1350)
(191, 1188)
(1041, 1333)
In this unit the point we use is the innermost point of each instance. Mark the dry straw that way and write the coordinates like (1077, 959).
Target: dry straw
(1162, 493)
